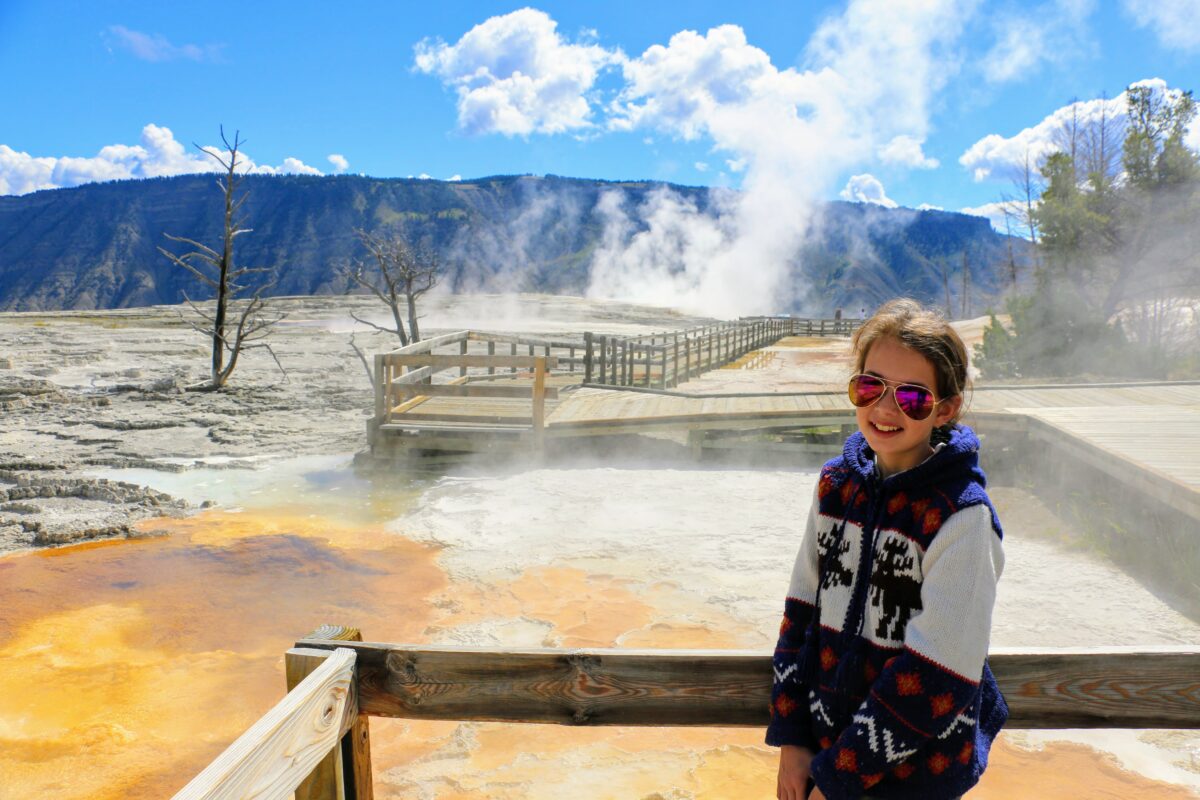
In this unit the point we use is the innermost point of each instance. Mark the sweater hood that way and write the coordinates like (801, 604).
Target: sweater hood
(959, 456)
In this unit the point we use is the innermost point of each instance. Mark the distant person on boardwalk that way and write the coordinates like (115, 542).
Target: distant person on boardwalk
(862, 313)
(837, 314)
(882, 687)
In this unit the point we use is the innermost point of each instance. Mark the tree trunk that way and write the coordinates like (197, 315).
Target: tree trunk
(220, 375)
(412, 312)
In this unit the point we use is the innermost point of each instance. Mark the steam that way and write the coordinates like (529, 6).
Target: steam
(872, 73)
(495, 254)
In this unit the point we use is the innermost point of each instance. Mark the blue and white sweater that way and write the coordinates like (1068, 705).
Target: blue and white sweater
(881, 667)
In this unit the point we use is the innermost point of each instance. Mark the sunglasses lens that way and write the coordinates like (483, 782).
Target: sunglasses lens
(865, 390)
(915, 402)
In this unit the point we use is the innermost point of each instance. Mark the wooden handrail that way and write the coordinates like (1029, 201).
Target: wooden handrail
(1148, 687)
(1123, 687)
(279, 751)
(440, 362)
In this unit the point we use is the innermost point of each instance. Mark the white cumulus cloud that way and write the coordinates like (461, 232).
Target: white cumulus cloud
(158, 154)
(515, 75)
(1176, 23)
(906, 151)
(290, 166)
(156, 47)
(340, 164)
(866, 188)
(996, 156)
(995, 214)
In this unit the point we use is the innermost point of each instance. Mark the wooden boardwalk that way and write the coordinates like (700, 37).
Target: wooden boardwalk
(1145, 434)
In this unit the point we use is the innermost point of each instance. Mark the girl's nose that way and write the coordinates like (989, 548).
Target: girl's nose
(889, 398)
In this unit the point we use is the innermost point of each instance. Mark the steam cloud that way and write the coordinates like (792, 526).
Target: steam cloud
(866, 93)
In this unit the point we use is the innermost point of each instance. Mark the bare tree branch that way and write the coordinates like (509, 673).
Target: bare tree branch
(363, 358)
(369, 324)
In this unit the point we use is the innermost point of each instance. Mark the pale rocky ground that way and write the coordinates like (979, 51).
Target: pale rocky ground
(87, 390)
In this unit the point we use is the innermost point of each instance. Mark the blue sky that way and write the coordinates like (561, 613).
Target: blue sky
(396, 90)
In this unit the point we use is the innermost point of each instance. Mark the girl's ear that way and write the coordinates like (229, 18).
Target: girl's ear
(947, 410)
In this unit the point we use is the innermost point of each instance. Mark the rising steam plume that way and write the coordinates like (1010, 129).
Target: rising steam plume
(871, 75)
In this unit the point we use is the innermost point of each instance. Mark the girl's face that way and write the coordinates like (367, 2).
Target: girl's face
(901, 443)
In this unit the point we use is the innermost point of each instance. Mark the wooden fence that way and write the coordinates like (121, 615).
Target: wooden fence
(404, 378)
(1153, 687)
(667, 359)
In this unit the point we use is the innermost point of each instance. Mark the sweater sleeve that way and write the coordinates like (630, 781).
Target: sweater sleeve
(791, 718)
(929, 689)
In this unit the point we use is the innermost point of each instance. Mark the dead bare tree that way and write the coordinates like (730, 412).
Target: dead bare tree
(231, 330)
(1030, 188)
(1012, 260)
(398, 273)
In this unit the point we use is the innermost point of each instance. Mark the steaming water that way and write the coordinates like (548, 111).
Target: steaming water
(126, 666)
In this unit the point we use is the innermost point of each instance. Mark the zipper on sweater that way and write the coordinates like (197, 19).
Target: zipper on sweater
(850, 670)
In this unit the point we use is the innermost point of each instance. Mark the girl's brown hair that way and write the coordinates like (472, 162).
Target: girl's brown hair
(924, 331)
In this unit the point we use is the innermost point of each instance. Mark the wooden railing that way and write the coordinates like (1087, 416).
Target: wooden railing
(1152, 687)
(663, 360)
(403, 378)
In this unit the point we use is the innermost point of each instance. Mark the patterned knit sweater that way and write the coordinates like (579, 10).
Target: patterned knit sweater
(881, 667)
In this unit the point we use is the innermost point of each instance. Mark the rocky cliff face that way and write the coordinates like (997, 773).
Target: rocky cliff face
(95, 246)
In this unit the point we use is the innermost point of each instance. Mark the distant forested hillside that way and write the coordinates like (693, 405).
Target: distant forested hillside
(95, 246)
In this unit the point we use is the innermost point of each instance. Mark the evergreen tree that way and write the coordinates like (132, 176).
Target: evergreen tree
(1119, 251)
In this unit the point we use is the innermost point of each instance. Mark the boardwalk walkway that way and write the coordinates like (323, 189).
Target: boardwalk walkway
(1151, 429)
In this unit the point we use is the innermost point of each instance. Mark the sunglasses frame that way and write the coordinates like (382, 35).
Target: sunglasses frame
(894, 386)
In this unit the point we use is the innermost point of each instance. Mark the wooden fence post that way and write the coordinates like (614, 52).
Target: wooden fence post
(380, 388)
(389, 372)
(462, 351)
(587, 357)
(491, 352)
(603, 358)
(512, 351)
(345, 772)
(675, 360)
(539, 403)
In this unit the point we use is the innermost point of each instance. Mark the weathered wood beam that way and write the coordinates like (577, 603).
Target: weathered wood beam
(526, 391)
(447, 361)
(270, 759)
(507, 338)
(1114, 688)
(426, 345)
(413, 376)
(347, 768)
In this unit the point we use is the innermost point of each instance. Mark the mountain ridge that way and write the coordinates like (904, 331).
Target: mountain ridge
(95, 246)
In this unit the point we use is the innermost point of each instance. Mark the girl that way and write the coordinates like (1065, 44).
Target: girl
(881, 677)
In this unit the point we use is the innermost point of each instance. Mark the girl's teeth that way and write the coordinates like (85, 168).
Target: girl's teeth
(886, 428)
